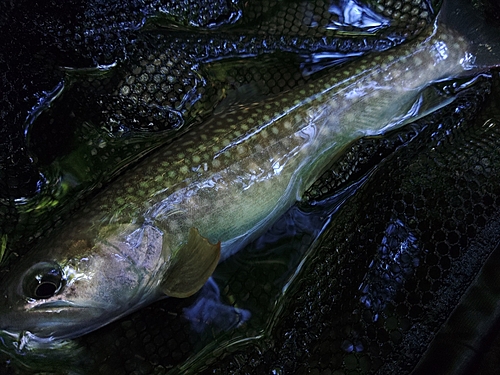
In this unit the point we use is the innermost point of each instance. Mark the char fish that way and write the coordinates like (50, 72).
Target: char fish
(162, 227)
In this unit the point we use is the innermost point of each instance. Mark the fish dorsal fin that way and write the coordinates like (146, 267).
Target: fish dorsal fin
(194, 264)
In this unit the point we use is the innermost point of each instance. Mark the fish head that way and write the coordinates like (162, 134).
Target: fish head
(70, 287)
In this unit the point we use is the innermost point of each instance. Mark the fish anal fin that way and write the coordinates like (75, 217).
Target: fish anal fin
(194, 264)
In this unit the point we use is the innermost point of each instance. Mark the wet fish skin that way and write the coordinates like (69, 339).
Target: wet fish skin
(230, 179)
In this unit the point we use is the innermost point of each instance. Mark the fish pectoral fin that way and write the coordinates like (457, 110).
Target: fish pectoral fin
(194, 264)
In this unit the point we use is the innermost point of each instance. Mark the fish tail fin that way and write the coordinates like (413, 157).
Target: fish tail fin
(478, 25)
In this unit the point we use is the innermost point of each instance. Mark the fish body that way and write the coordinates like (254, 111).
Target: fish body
(242, 169)
(161, 228)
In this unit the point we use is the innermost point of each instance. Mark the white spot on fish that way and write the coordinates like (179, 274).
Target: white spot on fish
(441, 50)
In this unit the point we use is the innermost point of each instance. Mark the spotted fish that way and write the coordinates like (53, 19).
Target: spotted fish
(162, 227)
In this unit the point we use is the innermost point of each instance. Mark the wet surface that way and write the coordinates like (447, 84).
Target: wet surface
(405, 221)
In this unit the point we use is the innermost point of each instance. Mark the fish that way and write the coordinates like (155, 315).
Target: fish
(163, 226)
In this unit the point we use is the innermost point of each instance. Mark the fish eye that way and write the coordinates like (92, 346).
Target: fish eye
(43, 280)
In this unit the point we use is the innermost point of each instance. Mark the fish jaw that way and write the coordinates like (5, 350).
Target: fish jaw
(52, 321)
(97, 285)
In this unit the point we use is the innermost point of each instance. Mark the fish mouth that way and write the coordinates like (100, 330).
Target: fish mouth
(65, 305)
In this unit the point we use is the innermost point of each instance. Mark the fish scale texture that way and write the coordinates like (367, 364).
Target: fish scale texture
(171, 94)
(315, 18)
(392, 264)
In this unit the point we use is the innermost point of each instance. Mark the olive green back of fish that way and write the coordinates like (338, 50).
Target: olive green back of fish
(316, 18)
(237, 134)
